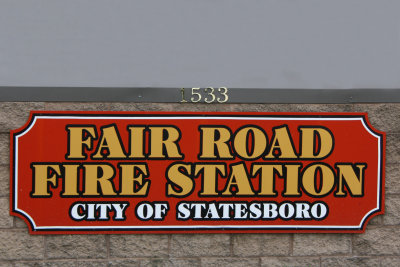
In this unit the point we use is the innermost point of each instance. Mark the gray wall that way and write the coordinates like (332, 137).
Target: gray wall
(233, 43)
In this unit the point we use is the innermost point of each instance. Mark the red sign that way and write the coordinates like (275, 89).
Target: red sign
(97, 172)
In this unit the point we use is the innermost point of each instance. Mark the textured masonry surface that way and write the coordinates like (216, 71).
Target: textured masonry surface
(378, 246)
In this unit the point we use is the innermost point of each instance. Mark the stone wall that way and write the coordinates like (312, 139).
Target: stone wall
(378, 246)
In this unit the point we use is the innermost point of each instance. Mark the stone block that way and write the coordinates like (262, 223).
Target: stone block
(376, 220)
(78, 106)
(47, 264)
(76, 246)
(231, 262)
(258, 108)
(291, 108)
(62, 264)
(377, 241)
(144, 107)
(200, 245)
(321, 244)
(392, 177)
(319, 107)
(392, 210)
(290, 261)
(91, 263)
(138, 246)
(6, 264)
(383, 116)
(19, 223)
(20, 245)
(392, 148)
(4, 180)
(350, 261)
(14, 115)
(29, 264)
(171, 262)
(390, 262)
(124, 263)
(261, 245)
(6, 220)
(4, 149)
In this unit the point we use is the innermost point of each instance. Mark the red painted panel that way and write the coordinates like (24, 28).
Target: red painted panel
(145, 172)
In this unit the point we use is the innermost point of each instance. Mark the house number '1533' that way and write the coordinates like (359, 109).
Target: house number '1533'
(207, 95)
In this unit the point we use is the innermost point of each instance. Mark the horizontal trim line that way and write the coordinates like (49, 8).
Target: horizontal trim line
(173, 95)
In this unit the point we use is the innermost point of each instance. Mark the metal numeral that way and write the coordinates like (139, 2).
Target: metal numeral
(208, 95)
